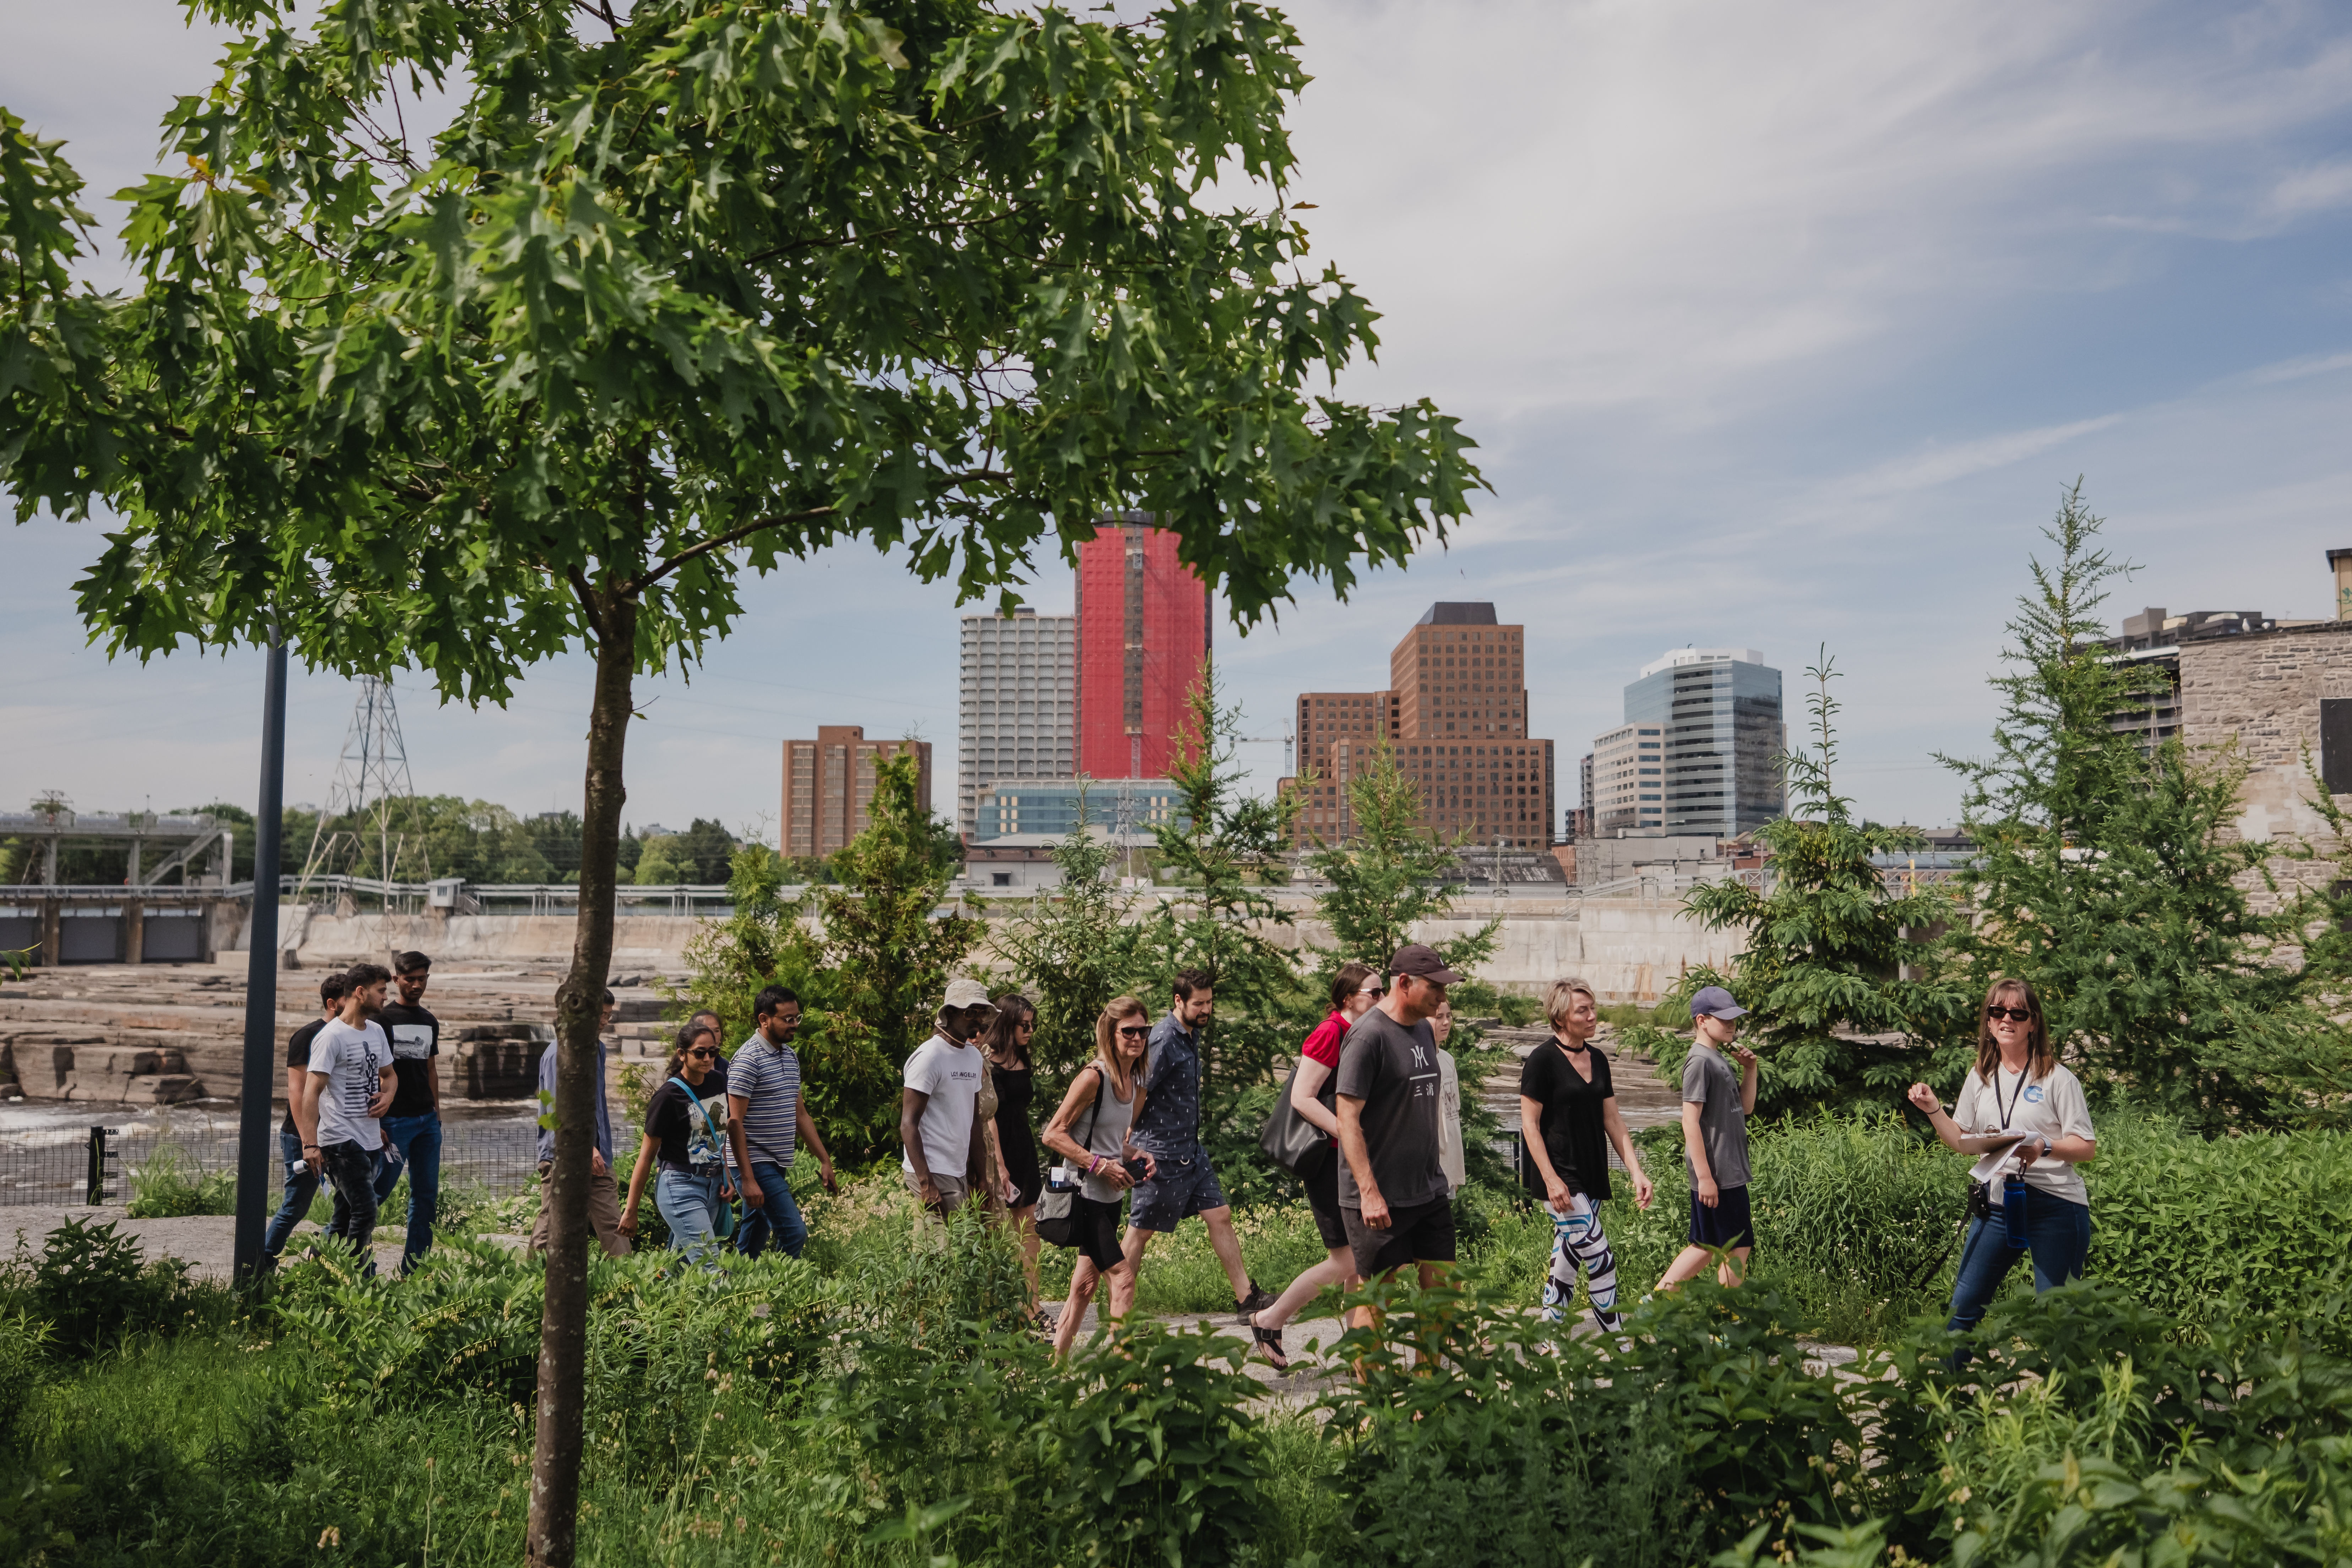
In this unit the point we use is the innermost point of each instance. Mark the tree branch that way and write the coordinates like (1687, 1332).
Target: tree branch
(722, 540)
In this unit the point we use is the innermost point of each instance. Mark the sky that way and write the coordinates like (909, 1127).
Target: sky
(1779, 326)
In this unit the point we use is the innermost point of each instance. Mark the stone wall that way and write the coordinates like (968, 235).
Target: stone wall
(2261, 691)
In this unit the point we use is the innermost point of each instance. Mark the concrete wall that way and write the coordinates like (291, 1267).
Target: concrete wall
(1628, 949)
(2261, 690)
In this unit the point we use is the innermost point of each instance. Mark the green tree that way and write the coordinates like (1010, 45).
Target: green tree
(887, 951)
(2103, 874)
(706, 849)
(1072, 950)
(1827, 941)
(1227, 849)
(1391, 876)
(659, 864)
(674, 296)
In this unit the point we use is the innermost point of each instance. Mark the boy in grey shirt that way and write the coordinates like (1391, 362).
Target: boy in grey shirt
(1716, 1108)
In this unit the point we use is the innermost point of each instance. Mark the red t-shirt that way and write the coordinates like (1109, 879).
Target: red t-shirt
(1323, 1045)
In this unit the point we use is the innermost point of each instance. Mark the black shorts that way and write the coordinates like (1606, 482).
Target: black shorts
(1421, 1234)
(1729, 1223)
(1094, 1231)
(1323, 1202)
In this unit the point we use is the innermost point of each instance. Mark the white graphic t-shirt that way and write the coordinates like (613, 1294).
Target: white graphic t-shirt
(352, 1061)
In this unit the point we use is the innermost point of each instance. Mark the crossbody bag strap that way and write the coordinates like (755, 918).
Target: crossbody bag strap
(712, 1127)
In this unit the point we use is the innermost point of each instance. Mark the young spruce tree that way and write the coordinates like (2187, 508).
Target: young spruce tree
(2103, 873)
(1832, 1018)
(1072, 950)
(1390, 876)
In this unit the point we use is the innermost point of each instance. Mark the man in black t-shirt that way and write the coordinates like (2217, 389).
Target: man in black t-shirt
(1393, 1197)
(301, 1181)
(412, 1127)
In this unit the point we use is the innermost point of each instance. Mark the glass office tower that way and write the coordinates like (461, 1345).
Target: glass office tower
(1724, 739)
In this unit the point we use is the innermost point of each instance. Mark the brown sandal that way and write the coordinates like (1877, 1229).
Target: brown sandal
(1270, 1341)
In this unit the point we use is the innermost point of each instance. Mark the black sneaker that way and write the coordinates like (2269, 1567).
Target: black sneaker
(1258, 1299)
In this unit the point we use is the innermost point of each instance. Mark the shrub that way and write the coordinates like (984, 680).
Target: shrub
(91, 1284)
(168, 1184)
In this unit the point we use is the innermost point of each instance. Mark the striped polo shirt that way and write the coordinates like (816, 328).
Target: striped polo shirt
(767, 1079)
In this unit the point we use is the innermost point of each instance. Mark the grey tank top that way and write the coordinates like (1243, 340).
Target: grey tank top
(1111, 1117)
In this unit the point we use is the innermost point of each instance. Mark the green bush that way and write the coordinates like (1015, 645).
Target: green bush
(91, 1284)
(168, 1184)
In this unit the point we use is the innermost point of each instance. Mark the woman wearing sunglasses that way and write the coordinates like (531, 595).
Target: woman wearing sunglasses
(1353, 991)
(1089, 1131)
(2017, 1099)
(685, 1137)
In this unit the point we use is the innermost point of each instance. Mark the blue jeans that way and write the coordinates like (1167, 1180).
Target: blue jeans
(413, 1144)
(301, 1186)
(777, 1215)
(690, 1206)
(2058, 1234)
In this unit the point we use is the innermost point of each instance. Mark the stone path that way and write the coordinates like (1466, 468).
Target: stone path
(207, 1243)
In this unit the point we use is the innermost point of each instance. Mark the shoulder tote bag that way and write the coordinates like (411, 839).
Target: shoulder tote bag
(1055, 1213)
(1292, 1141)
(723, 1224)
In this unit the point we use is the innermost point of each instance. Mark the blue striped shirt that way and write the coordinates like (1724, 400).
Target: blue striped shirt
(767, 1079)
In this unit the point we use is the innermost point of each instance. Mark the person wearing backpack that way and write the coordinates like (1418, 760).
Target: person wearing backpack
(685, 1149)
(1090, 1132)
(1353, 991)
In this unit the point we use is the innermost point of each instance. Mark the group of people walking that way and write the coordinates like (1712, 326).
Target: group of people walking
(1373, 1078)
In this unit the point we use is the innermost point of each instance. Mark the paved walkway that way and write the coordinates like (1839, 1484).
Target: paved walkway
(207, 1242)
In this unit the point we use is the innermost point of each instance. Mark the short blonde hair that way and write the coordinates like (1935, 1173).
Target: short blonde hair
(1556, 1001)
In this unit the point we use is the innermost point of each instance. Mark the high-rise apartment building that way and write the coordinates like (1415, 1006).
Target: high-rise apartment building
(1456, 710)
(1016, 705)
(829, 786)
(1143, 635)
(1700, 751)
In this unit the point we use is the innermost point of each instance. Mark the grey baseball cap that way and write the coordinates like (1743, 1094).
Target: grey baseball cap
(1715, 1002)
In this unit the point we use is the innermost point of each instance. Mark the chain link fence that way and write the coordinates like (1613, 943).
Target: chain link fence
(97, 1165)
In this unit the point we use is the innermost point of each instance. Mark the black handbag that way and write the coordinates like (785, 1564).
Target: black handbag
(1292, 1141)
(1057, 1218)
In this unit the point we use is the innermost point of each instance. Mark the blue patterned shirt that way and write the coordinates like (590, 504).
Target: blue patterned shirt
(1170, 1122)
(767, 1080)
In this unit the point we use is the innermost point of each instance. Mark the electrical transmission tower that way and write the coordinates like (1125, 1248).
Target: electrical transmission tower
(371, 782)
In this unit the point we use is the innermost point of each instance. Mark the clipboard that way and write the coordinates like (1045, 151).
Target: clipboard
(1992, 1142)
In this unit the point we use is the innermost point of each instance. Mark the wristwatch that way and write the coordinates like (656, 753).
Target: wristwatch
(2046, 1145)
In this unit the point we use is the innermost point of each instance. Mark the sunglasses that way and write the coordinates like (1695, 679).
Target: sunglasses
(705, 1052)
(2021, 1014)
(1133, 1031)
(1373, 991)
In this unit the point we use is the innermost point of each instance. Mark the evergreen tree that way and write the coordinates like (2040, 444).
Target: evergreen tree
(1390, 876)
(1072, 950)
(2102, 874)
(1833, 1017)
(887, 955)
(1225, 851)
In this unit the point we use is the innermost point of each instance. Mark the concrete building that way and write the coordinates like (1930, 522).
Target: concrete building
(2272, 693)
(829, 786)
(1456, 710)
(1049, 808)
(2153, 639)
(1016, 704)
(1143, 633)
(1715, 714)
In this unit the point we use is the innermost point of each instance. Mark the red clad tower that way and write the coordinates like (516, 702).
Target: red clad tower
(1144, 637)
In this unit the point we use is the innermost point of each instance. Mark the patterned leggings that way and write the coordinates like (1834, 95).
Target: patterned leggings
(1578, 1243)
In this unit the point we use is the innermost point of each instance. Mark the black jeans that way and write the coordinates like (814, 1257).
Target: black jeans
(351, 1170)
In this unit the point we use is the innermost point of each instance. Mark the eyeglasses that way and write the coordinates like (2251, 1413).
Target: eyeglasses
(2021, 1014)
(1132, 1031)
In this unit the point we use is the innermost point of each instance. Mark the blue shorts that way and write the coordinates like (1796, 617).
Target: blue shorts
(1183, 1188)
(1728, 1224)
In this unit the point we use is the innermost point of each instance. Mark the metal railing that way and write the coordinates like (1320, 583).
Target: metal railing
(98, 1165)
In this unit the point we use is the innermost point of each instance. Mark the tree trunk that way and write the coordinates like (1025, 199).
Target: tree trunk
(552, 1538)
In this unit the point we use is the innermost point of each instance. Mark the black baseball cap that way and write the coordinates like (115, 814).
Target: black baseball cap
(1422, 960)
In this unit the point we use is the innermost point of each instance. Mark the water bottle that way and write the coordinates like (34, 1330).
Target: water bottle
(2012, 1211)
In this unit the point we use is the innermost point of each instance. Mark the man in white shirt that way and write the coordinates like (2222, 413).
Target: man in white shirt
(350, 1085)
(935, 1111)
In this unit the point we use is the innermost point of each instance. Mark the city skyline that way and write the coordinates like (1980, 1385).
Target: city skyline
(1746, 368)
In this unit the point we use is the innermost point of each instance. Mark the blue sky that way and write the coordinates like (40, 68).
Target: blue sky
(1777, 326)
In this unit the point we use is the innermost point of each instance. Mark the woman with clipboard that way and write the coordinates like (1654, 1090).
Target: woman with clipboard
(2024, 1117)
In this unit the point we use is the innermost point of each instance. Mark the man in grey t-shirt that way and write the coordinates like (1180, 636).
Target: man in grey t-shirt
(1716, 1108)
(1393, 1198)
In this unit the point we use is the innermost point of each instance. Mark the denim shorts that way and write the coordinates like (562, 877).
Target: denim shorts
(1182, 1188)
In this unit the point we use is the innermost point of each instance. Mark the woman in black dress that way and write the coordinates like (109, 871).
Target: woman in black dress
(1019, 1180)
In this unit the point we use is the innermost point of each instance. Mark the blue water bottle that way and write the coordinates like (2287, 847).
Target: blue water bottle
(2012, 1211)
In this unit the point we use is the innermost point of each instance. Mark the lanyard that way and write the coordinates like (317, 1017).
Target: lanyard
(2013, 1099)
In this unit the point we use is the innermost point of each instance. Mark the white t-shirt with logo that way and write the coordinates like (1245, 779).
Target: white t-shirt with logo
(2050, 1107)
(949, 1074)
(352, 1061)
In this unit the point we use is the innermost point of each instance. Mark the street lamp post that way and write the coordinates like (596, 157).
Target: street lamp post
(261, 976)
